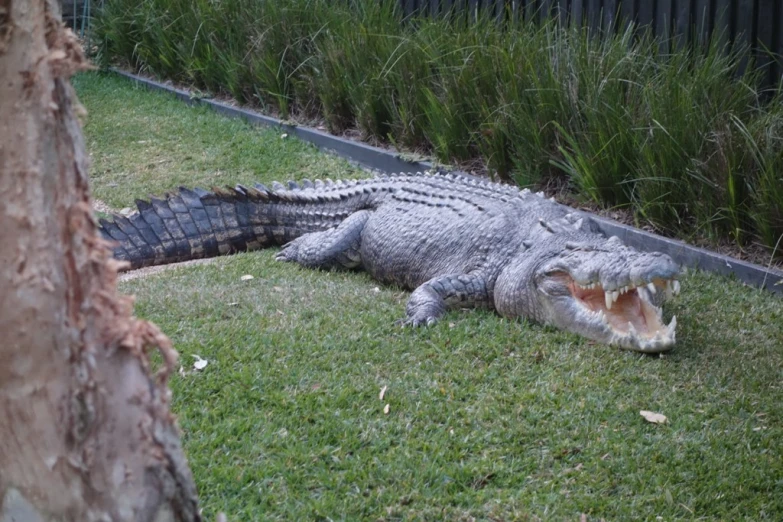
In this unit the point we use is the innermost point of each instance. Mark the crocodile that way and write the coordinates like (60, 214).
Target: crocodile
(454, 240)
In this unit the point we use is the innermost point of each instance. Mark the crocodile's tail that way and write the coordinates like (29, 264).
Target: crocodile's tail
(193, 224)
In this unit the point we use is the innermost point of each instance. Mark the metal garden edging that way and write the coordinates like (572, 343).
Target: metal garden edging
(378, 159)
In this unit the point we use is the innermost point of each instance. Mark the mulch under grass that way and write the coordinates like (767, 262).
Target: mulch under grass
(488, 419)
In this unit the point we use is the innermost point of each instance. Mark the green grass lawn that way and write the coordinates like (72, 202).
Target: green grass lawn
(488, 419)
(144, 144)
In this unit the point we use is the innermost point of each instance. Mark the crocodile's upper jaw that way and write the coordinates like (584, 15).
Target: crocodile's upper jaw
(629, 316)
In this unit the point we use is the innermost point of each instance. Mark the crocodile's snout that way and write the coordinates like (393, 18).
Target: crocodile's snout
(612, 294)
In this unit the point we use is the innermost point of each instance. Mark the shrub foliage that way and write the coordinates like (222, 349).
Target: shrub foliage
(681, 135)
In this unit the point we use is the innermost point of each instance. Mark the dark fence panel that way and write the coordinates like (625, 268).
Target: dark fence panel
(757, 24)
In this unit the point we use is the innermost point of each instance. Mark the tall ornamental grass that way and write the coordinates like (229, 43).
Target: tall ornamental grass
(681, 137)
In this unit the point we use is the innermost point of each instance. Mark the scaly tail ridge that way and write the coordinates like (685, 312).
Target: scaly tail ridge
(193, 224)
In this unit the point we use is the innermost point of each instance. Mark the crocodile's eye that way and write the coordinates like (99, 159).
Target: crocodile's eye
(571, 245)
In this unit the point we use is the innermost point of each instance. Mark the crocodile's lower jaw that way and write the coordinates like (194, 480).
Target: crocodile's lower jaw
(629, 315)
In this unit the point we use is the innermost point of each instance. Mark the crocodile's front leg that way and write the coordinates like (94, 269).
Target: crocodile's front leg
(431, 300)
(334, 248)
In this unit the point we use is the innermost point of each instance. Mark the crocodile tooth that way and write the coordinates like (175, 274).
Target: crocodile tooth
(672, 325)
(676, 287)
(615, 296)
(669, 291)
(608, 300)
(634, 338)
(602, 315)
(651, 288)
(632, 329)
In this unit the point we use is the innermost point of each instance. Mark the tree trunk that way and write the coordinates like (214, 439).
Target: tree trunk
(85, 430)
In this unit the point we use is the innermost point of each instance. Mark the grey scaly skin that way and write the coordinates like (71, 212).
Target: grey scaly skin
(455, 241)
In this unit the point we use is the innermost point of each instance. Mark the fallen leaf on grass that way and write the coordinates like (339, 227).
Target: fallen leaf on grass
(246, 277)
(382, 394)
(655, 418)
(386, 409)
(200, 363)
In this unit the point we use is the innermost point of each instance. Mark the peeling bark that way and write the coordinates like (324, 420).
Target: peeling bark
(86, 432)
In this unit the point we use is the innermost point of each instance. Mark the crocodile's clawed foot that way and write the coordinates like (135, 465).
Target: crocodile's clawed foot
(287, 253)
(281, 256)
(416, 321)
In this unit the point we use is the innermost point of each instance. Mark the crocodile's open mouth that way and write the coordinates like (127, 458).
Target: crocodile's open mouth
(630, 312)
